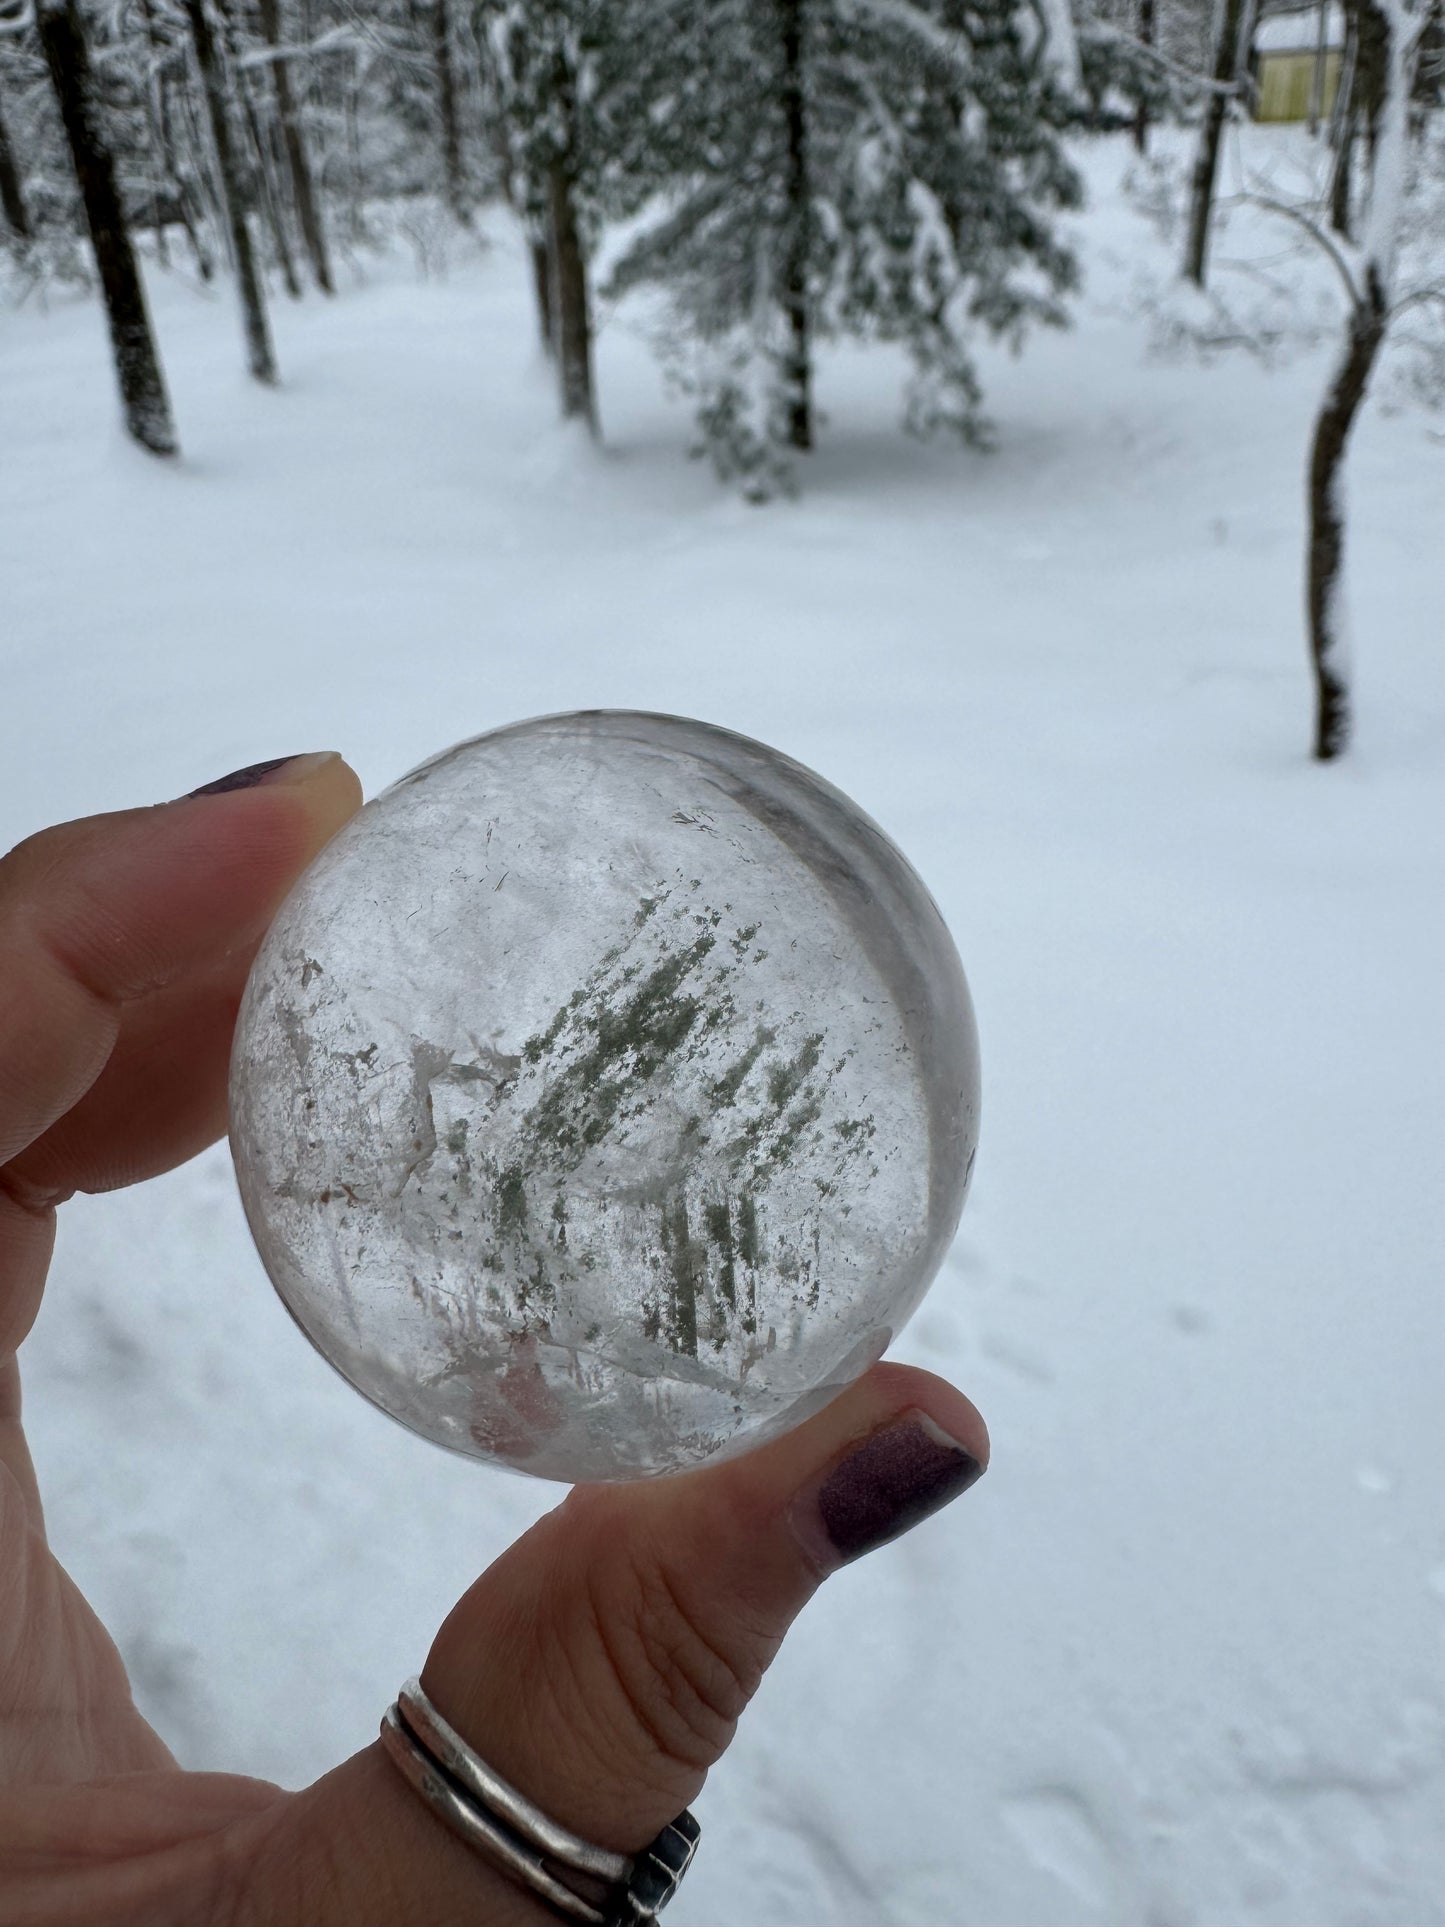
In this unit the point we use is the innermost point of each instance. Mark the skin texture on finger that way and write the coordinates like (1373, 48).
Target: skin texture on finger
(148, 1849)
(124, 946)
(602, 1663)
(65, 1704)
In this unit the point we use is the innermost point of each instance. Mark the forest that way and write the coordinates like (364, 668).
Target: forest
(782, 173)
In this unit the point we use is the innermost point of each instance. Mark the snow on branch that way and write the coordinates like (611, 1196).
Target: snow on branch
(1056, 48)
(952, 48)
(1047, 29)
(1348, 261)
(334, 40)
(1101, 32)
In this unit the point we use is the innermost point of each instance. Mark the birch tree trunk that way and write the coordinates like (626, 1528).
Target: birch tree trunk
(1206, 164)
(260, 357)
(298, 162)
(798, 356)
(143, 395)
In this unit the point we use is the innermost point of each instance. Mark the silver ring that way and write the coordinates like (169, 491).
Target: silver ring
(491, 1816)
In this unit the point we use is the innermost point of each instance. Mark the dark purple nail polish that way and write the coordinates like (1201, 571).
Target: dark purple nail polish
(892, 1480)
(242, 779)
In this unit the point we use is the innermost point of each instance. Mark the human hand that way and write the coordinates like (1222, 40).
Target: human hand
(600, 1665)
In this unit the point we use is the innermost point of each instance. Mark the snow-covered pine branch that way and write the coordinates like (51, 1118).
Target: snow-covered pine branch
(1056, 49)
(1105, 33)
(340, 39)
(928, 33)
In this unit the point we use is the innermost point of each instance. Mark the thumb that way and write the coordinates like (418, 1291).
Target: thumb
(602, 1663)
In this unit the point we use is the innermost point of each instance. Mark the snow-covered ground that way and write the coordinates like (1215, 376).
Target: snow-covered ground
(1180, 1660)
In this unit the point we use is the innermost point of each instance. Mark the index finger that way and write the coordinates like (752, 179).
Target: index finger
(124, 946)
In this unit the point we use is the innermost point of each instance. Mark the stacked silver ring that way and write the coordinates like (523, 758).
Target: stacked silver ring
(480, 1807)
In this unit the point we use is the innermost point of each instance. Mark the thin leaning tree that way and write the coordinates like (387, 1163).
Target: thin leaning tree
(1392, 277)
(144, 401)
(1374, 300)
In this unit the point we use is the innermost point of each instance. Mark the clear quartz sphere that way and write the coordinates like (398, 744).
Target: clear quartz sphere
(604, 1096)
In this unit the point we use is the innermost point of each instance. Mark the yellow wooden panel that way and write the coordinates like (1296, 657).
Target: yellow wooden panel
(1285, 80)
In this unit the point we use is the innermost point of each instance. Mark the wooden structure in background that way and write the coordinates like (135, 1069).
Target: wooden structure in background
(1295, 62)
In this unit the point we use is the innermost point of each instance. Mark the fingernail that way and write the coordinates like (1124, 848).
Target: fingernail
(280, 769)
(880, 1488)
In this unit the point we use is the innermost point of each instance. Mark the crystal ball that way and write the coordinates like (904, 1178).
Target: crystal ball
(605, 1095)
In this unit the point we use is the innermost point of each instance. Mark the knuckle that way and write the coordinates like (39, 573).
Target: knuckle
(684, 1673)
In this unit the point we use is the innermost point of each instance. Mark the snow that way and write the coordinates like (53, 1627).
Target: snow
(1299, 32)
(1178, 1659)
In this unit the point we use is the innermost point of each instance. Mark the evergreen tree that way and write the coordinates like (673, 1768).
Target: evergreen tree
(848, 168)
(1142, 62)
(571, 84)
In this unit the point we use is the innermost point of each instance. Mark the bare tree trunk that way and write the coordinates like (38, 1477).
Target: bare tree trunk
(355, 174)
(12, 199)
(266, 194)
(137, 365)
(1342, 131)
(1371, 71)
(450, 126)
(1341, 177)
(570, 306)
(260, 357)
(542, 283)
(1317, 75)
(163, 183)
(180, 176)
(189, 197)
(1141, 112)
(1206, 164)
(798, 357)
(1325, 561)
(297, 160)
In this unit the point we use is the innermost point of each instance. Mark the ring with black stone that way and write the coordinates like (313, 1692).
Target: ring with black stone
(472, 1799)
